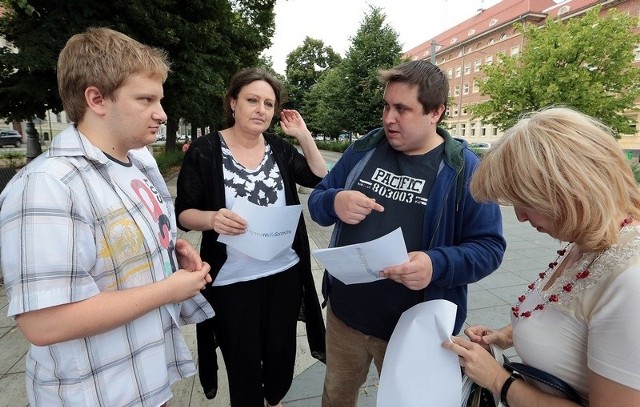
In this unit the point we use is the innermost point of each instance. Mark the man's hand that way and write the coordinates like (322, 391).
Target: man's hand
(186, 284)
(188, 257)
(353, 206)
(415, 274)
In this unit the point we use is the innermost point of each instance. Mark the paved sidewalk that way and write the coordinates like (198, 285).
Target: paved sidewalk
(528, 253)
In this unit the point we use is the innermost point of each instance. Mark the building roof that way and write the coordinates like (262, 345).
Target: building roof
(504, 13)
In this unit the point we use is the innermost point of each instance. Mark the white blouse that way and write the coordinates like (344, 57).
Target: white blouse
(595, 326)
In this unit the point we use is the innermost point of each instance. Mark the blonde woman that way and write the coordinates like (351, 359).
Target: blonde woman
(564, 173)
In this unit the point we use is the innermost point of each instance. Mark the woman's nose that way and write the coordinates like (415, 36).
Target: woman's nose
(520, 214)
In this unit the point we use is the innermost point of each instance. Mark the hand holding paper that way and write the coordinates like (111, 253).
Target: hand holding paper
(363, 262)
(270, 229)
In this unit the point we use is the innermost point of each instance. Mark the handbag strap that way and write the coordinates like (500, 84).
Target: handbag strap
(543, 377)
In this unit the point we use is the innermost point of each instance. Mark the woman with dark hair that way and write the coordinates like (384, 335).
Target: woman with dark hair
(257, 303)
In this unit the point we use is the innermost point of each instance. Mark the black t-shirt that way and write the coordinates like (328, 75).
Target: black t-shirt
(401, 184)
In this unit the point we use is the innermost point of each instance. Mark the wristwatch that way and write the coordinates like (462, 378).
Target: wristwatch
(505, 389)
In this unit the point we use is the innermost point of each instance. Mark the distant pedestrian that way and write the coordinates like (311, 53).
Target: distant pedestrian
(257, 303)
(95, 276)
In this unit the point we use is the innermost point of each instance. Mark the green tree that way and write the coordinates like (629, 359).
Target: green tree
(584, 63)
(326, 109)
(207, 41)
(305, 64)
(374, 46)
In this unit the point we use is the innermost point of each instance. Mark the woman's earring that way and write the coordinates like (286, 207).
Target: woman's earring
(233, 114)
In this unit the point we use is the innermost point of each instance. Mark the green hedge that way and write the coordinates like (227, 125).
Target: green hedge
(169, 162)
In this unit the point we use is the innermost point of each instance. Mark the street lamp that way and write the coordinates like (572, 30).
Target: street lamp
(33, 143)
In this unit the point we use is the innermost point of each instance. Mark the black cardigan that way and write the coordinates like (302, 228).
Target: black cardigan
(201, 186)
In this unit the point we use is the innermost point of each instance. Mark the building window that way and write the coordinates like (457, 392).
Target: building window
(448, 113)
(465, 110)
(503, 36)
(456, 91)
(58, 118)
(458, 71)
(463, 129)
(493, 22)
(515, 50)
(489, 59)
(478, 64)
(483, 131)
(467, 68)
(564, 9)
(449, 73)
(476, 86)
(460, 53)
(491, 41)
(453, 40)
(443, 60)
(465, 89)
(455, 111)
(494, 131)
(471, 32)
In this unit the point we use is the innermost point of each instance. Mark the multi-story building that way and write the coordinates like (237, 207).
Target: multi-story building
(461, 51)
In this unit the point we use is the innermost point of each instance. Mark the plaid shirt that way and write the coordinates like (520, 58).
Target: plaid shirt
(69, 231)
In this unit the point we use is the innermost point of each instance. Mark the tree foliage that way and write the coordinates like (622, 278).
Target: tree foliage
(584, 62)
(349, 96)
(374, 47)
(305, 64)
(207, 41)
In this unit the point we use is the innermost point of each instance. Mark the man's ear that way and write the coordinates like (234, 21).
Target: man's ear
(436, 114)
(95, 101)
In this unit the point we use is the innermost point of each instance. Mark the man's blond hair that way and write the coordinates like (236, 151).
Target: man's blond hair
(103, 58)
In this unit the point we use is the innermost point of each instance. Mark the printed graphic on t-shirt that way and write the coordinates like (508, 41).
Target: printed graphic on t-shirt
(152, 200)
(401, 188)
(135, 227)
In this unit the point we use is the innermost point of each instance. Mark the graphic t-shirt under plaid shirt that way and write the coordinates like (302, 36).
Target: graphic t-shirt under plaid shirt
(72, 227)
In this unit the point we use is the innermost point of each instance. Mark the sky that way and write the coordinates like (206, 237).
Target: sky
(336, 21)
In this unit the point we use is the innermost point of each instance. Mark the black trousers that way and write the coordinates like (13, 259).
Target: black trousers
(255, 327)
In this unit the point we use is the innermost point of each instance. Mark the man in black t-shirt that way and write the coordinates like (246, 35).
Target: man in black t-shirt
(410, 174)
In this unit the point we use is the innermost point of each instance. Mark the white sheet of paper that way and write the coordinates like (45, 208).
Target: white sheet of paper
(417, 370)
(270, 229)
(363, 262)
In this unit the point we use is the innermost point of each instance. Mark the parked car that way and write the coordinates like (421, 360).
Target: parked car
(480, 146)
(10, 138)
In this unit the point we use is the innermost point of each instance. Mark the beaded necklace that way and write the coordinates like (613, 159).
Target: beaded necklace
(555, 297)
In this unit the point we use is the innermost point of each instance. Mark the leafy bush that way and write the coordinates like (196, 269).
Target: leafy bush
(169, 162)
(338, 146)
(13, 159)
(635, 167)
(479, 152)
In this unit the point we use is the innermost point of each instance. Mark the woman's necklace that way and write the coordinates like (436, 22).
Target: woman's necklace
(566, 288)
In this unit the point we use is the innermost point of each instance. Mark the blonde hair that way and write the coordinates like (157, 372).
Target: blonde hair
(103, 58)
(564, 165)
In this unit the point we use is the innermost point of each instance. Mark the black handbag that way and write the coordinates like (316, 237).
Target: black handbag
(543, 377)
(476, 396)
